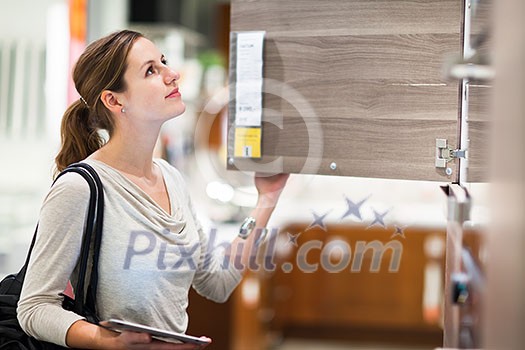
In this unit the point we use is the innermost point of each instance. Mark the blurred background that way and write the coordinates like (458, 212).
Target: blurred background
(281, 309)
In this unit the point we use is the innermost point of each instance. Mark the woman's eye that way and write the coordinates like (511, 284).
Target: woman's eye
(150, 71)
(164, 61)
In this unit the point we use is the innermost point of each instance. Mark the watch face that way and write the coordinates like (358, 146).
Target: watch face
(247, 226)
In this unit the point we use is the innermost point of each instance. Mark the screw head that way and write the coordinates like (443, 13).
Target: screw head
(333, 165)
(448, 171)
(231, 161)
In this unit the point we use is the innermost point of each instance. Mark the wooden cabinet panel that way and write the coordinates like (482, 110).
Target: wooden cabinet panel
(356, 297)
(479, 132)
(480, 95)
(339, 17)
(364, 147)
(356, 83)
(211, 319)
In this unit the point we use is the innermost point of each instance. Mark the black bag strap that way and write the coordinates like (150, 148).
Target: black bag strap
(91, 297)
(93, 224)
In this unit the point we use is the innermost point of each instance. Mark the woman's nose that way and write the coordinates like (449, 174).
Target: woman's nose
(171, 76)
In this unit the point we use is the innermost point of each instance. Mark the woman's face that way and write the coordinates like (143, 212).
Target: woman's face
(152, 91)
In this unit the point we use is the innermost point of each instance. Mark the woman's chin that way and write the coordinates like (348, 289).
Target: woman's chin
(179, 111)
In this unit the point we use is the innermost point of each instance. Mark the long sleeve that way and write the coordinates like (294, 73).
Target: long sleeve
(216, 277)
(53, 261)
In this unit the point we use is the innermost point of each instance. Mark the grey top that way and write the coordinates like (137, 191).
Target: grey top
(148, 259)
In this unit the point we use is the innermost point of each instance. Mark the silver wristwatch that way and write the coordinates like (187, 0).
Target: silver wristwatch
(247, 227)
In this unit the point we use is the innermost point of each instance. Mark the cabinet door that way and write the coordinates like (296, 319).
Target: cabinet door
(479, 92)
(356, 86)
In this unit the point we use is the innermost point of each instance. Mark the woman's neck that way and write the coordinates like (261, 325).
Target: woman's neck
(130, 154)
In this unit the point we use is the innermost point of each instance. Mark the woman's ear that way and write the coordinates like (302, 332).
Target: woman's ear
(110, 100)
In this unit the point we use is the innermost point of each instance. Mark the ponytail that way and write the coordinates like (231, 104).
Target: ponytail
(79, 134)
(100, 67)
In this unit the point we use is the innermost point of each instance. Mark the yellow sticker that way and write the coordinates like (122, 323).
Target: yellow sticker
(247, 142)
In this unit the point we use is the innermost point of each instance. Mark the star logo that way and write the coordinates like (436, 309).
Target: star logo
(354, 208)
(398, 232)
(379, 219)
(318, 220)
(292, 239)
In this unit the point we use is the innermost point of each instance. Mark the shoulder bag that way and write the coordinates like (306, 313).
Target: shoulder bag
(12, 337)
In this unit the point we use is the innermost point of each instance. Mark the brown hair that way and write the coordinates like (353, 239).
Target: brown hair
(100, 67)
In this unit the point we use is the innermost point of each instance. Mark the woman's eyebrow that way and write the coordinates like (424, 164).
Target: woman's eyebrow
(146, 63)
(162, 57)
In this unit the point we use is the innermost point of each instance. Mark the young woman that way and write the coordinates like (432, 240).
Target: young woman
(153, 248)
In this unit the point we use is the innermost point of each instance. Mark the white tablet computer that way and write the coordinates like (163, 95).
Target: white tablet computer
(120, 325)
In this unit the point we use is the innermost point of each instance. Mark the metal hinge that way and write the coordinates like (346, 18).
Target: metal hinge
(445, 153)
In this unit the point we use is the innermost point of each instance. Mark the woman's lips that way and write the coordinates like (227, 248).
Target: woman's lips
(174, 93)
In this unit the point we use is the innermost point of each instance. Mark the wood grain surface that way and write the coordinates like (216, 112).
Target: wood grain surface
(480, 94)
(479, 123)
(365, 75)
